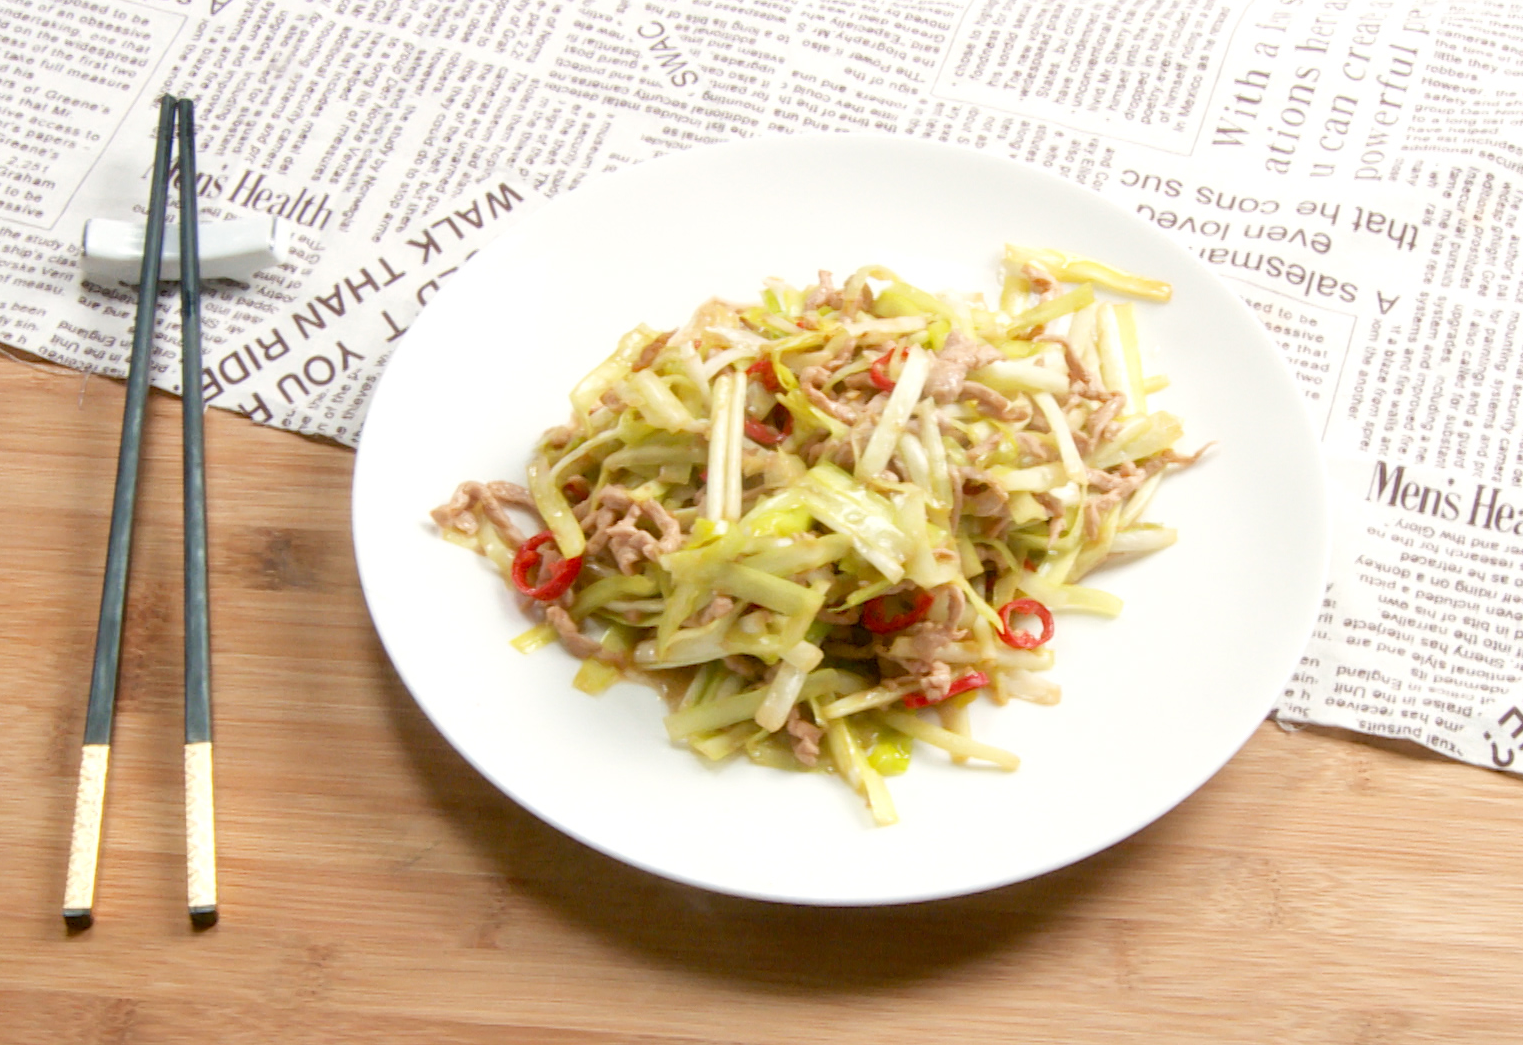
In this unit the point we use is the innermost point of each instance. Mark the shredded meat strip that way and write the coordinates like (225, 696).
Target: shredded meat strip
(990, 503)
(845, 618)
(629, 544)
(1081, 379)
(595, 525)
(1123, 487)
(862, 301)
(915, 649)
(649, 353)
(576, 489)
(1034, 448)
(1184, 460)
(611, 519)
(957, 602)
(994, 404)
(1091, 519)
(493, 498)
(992, 500)
(1100, 424)
(616, 497)
(1121, 484)
(1054, 509)
(804, 736)
(810, 381)
(577, 643)
(842, 452)
(867, 419)
(1043, 283)
(1104, 481)
(949, 368)
(718, 606)
(937, 682)
(746, 667)
(823, 295)
(813, 447)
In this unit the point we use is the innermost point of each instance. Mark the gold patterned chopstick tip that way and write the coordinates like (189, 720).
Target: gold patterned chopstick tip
(84, 839)
(200, 837)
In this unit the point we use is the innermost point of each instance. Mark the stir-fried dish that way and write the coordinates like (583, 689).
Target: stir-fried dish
(829, 521)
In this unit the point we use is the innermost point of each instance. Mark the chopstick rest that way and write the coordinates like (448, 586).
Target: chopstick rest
(113, 249)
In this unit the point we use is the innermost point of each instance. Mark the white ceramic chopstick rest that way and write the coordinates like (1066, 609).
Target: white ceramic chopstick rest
(228, 249)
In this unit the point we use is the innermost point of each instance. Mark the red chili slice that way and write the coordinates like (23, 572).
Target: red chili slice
(766, 373)
(879, 619)
(527, 561)
(765, 434)
(879, 372)
(972, 680)
(1024, 639)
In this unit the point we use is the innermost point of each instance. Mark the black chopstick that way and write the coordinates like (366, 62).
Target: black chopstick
(89, 801)
(200, 836)
(90, 794)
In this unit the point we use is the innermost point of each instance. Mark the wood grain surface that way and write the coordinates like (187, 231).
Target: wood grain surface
(373, 888)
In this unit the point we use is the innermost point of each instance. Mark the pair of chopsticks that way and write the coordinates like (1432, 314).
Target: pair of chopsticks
(89, 799)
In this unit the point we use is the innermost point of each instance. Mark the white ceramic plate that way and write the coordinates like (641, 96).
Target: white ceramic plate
(1154, 702)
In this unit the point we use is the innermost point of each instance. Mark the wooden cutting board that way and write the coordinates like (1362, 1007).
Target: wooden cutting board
(1322, 888)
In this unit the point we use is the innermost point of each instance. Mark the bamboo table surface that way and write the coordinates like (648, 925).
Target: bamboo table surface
(373, 888)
